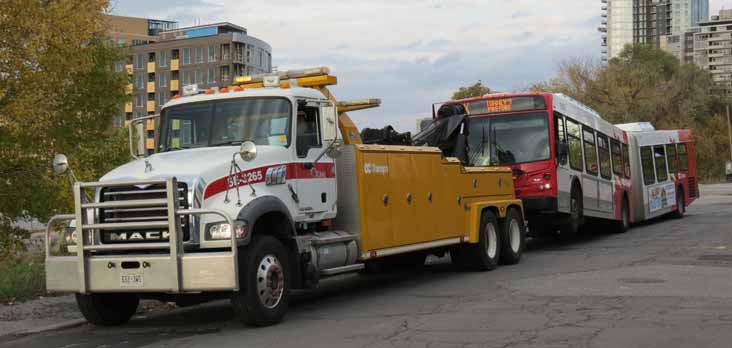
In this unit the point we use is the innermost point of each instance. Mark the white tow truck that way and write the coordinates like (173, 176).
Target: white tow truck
(263, 187)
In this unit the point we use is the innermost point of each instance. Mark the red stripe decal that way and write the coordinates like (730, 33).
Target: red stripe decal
(258, 175)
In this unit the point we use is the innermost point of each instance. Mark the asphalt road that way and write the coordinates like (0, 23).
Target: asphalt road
(663, 284)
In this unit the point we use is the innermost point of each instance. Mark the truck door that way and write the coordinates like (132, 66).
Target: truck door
(315, 182)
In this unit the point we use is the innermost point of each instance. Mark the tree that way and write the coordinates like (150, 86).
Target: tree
(475, 90)
(647, 84)
(58, 94)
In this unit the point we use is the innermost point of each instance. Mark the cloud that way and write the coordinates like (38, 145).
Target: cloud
(410, 53)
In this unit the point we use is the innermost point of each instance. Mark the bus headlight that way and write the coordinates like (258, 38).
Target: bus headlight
(222, 231)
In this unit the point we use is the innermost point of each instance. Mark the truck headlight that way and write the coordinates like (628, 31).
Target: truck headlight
(70, 236)
(222, 231)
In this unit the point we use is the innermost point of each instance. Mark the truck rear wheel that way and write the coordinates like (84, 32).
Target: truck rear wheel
(484, 255)
(264, 282)
(107, 309)
(513, 236)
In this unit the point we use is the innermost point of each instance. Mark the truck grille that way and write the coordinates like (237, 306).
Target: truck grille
(140, 214)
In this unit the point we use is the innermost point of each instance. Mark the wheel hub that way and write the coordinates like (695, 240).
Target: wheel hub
(515, 235)
(270, 281)
(491, 246)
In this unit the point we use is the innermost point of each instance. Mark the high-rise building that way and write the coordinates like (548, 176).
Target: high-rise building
(165, 60)
(131, 31)
(713, 51)
(647, 21)
(681, 45)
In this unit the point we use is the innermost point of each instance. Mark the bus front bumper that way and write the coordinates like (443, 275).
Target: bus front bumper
(540, 205)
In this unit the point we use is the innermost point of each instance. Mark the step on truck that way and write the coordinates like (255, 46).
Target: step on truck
(263, 187)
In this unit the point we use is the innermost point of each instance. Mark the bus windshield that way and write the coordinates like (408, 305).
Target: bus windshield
(265, 121)
(509, 139)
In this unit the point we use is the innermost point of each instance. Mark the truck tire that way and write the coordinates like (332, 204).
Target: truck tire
(623, 225)
(107, 309)
(264, 282)
(484, 255)
(680, 204)
(576, 214)
(513, 237)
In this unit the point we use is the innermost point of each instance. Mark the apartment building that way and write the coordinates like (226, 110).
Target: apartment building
(132, 31)
(208, 55)
(713, 50)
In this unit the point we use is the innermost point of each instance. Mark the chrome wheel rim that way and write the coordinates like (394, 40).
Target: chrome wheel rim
(270, 281)
(515, 235)
(491, 248)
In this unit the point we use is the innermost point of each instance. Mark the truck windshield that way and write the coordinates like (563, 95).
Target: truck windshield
(265, 121)
(509, 139)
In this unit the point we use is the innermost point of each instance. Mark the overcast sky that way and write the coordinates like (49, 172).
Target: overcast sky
(409, 53)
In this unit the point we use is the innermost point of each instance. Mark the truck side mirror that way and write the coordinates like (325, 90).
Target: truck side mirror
(329, 122)
(60, 164)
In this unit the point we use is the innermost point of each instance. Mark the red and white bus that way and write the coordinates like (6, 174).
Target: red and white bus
(664, 167)
(569, 164)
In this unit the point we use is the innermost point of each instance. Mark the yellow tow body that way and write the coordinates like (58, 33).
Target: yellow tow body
(412, 195)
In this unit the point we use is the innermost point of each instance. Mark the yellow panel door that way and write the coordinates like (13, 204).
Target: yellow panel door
(376, 227)
(402, 177)
(427, 180)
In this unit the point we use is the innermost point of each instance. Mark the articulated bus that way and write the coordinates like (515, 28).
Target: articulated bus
(569, 164)
(665, 163)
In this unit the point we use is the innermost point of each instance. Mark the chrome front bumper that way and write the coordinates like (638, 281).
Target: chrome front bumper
(171, 272)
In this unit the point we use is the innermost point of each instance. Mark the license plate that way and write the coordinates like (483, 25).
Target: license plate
(131, 280)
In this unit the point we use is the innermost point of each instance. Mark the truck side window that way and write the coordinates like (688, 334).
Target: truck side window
(308, 130)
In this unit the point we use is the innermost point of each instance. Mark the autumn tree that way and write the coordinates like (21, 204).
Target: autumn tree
(58, 94)
(475, 90)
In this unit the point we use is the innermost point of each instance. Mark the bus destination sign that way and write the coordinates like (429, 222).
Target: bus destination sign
(500, 105)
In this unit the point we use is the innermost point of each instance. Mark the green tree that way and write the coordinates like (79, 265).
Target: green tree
(475, 90)
(58, 94)
(647, 84)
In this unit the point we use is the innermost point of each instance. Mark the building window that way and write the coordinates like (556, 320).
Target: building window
(211, 53)
(163, 59)
(140, 81)
(139, 100)
(163, 79)
(186, 78)
(162, 98)
(199, 77)
(212, 75)
(119, 66)
(199, 54)
(140, 61)
(186, 56)
(225, 73)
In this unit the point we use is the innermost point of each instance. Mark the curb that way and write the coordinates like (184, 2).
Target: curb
(59, 326)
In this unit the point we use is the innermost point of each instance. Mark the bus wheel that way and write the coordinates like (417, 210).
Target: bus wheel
(680, 204)
(623, 225)
(513, 237)
(574, 220)
(264, 282)
(484, 255)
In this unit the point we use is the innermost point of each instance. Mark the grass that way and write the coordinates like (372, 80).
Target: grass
(22, 278)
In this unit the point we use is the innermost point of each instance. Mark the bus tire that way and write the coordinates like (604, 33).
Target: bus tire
(513, 237)
(107, 309)
(484, 255)
(264, 282)
(623, 225)
(680, 204)
(574, 221)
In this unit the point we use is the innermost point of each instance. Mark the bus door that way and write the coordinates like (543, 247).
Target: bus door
(567, 159)
(606, 187)
(590, 180)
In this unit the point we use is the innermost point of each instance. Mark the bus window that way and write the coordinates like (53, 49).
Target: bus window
(575, 145)
(561, 137)
(616, 157)
(604, 156)
(649, 174)
(659, 153)
(626, 160)
(683, 158)
(672, 158)
(590, 150)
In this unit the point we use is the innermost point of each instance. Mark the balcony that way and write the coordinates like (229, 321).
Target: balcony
(128, 107)
(150, 67)
(151, 87)
(128, 89)
(150, 106)
(174, 63)
(150, 125)
(150, 144)
(173, 85)
(129, 69)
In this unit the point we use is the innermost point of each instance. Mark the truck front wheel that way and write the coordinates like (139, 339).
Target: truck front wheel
(107, 309)
(264, 282)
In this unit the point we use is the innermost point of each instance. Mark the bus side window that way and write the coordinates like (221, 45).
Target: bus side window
(616, 158)
(659, 154)
(604, 156)
(672, 158)
(649, 174)
(588, 136)
(575, 145)
(626, 160)
(683, 158)
(560, 136)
